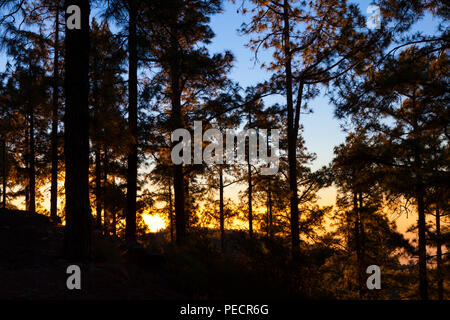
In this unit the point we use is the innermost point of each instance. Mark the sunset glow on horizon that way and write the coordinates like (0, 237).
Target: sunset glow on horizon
(154, 222)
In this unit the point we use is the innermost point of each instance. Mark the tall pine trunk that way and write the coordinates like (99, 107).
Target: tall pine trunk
(54, 134)
(27, 164)
(171, 213)
(269, 205)
(420, 195)
(180, 221)
(177, 122)
(98, 188)
(269, 212)
(130, 229)
(250, 184)
(221, 212)
(357, 226)
(4, 172)
(440, 280)
(77, 241)
(113, 213)
(292, 135)
(187, 202)
(423, 281)
(32, 164)
(362, 241)
(104, 174)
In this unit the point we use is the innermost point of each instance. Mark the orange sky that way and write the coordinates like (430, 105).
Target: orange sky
(327, 197)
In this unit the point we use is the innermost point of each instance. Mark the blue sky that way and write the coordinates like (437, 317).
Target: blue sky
(321, 131)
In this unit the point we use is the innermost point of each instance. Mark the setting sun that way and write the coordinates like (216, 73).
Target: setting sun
(154, 222)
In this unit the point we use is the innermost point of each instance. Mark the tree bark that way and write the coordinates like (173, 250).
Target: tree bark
(130, 229)
(250, 185)
(221, 212)
(420, 193)
(113, 213)
(54, 134)
(423, 281)
(4, 172)
(180, 220)
(32, 164)
(292, 135)
(440, 280)
(171, 213)
(357, 213)
(269, 205)
(98, 188)
(77, 241)
(362, 241)
(106, 222)
(269, 212)
(187, 202)
(27, 164)
(177, 122)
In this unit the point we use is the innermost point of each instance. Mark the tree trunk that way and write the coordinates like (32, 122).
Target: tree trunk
(420, 193)
(440, 280)
(4, 172)
(221, 209)
(32, 163)
(77, 241)
(180, 221)
(98, 188)
(423, 281)
(269, 205)
(27, 164)
(106, 222)
(171, 213)
(292, 136)
(54, 134)
(113, 212)
(269, 212)
(114, 227)
(250, 185)
(27, 197)
(130, 229)
(362, 241)
(357, 210)
(177, 122)
(187, 202)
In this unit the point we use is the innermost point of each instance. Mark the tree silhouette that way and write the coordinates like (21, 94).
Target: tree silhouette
(77, 241)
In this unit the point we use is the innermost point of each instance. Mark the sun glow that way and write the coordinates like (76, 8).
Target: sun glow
(154, 222)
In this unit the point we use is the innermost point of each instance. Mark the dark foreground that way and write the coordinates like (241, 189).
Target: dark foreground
(32, 265)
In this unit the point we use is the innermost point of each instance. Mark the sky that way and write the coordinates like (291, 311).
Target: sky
(322, 131)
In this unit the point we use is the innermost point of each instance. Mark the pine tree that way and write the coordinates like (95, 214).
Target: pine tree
(77, 241)
(176, 31)
(312, 45)
(408, 90)
(107, 95)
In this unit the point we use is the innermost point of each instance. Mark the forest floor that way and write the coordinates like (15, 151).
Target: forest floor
(32, 266)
